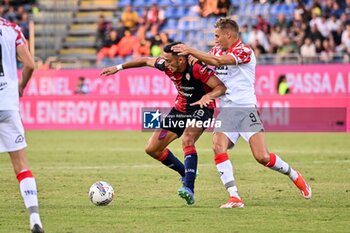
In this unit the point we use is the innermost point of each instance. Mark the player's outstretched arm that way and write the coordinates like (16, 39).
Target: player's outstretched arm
(26, 58)
(218, 89)
(204, 57)
(139, 62)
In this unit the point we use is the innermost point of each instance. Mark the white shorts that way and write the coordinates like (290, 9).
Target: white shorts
(11, 132)
(239, 121)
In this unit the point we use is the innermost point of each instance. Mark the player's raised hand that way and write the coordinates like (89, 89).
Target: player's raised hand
(192, 60)
(203, 102)
(181, 49)
(109, 71)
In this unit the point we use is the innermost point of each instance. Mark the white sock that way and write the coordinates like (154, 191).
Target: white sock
(28, 189)
(35, 219)
(225, 169)
(277, 164)
(233, 192)
(27, 186)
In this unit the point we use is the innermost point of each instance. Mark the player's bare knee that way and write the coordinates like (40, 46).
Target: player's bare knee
(262, 158)
(219, 148)
(187, 140)
(152, 151)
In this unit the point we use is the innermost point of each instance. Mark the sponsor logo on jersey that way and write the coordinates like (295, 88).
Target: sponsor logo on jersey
(221, 73)
(221, 68)
(2, 85)
(187, 88)
(185, 94)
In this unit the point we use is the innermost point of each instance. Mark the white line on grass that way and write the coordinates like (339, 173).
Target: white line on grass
(141, 150)
(152, 166)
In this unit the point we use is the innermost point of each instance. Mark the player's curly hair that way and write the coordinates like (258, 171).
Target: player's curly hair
(227, 23)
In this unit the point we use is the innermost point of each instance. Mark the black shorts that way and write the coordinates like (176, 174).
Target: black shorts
(177, 121)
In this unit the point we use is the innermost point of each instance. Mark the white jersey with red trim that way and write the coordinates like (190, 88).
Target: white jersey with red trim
(239, 79)
(10, 37)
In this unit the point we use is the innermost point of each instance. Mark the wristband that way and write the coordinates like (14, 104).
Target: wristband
(119, 67)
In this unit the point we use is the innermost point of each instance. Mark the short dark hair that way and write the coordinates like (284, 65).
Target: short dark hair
(227, 23)
(168, 47)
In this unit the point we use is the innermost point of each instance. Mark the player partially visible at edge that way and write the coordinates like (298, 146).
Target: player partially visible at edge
(235, 64)
(12, 139)
(197, 87)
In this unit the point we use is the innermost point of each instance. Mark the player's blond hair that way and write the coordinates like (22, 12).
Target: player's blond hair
(227, 23)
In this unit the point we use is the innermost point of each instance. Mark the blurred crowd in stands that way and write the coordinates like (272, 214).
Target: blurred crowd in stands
(219, 8)
(315, 30)
(139, 36)
(19, 13)
(142, 35)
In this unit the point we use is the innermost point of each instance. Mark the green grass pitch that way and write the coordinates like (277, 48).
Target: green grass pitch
(66, 163)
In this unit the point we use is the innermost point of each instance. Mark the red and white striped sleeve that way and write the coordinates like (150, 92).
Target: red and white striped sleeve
(20, 40)
(242, 55)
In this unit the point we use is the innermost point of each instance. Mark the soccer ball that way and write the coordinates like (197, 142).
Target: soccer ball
(101, 193)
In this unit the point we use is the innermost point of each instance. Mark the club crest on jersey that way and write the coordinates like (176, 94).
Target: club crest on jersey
(188, 76)
(4, 84)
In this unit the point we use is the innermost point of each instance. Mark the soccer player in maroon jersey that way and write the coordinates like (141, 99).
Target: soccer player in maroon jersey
(235, 65)
(197, 87)
(12, 140)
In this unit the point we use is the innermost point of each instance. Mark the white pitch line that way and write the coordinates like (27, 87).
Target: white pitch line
(106, 149)
(147, 166)
(199, 149)
(152, 166)
(334, 161)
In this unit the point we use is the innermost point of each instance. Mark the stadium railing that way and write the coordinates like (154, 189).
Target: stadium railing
(58, 63)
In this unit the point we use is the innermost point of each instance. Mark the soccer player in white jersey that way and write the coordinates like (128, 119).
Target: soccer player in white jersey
(12, 140)
(235, 65)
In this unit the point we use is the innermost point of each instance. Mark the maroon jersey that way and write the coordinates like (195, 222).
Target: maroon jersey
(190, 84)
